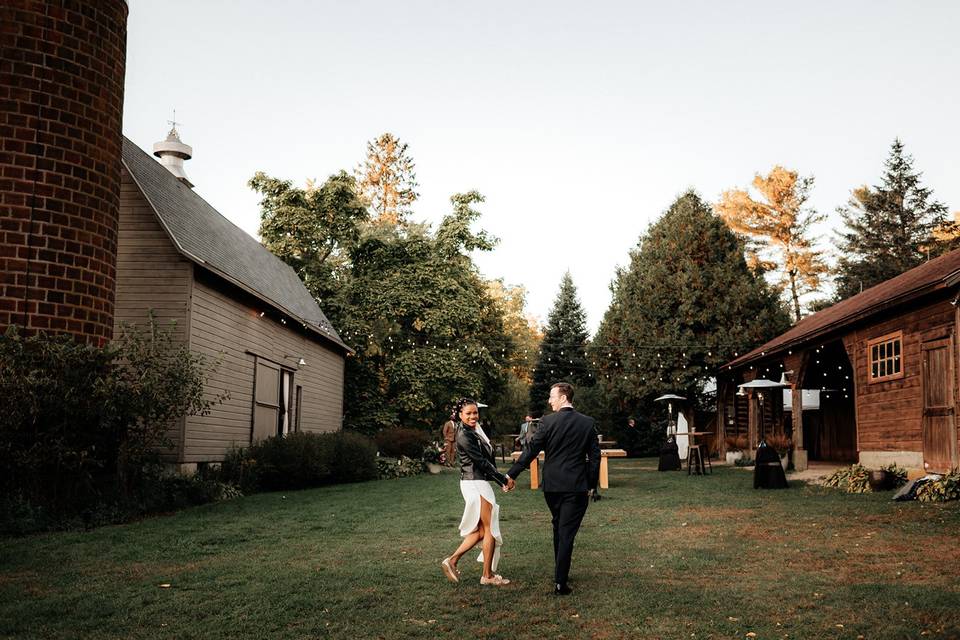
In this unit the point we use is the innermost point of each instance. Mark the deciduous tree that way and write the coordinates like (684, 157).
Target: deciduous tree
(312, 229)
(779, 222)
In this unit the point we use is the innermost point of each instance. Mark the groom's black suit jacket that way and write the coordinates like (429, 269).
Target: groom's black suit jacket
(571, 452)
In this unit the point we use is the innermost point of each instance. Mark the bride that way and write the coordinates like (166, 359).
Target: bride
(481, 515)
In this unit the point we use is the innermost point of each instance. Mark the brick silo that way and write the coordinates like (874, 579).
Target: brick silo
(61, 103)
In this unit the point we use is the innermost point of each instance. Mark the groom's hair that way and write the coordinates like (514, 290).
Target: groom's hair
(564, 389)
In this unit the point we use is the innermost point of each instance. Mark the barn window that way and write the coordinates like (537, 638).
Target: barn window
(886, 357)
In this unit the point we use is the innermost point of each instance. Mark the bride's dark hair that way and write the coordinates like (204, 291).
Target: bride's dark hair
(461, 403)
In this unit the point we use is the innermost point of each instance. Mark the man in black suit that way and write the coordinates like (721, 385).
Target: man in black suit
(572, 452)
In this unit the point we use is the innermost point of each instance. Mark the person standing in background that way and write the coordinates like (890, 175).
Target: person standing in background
(449, 446)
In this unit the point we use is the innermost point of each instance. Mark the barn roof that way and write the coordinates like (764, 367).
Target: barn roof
(203, 235)
(934, 275)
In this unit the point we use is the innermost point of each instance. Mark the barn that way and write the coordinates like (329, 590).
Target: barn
(882, 365)
(280, 361)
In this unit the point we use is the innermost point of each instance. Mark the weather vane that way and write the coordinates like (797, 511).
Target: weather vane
(174, 122)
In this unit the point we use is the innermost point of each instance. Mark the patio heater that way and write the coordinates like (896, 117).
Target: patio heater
(767, 470)
(669, 452)
(669, 398)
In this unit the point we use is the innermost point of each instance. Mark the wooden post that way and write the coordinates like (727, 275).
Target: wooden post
(799, 453)
(722, 391)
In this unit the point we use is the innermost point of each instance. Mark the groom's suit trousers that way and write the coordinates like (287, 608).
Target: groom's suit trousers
(568, 509)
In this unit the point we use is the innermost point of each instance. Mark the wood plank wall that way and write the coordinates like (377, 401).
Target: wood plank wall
(220, 323)
(890, 414)
(151, 275)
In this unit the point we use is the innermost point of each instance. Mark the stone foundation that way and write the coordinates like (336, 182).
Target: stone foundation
(910, 460)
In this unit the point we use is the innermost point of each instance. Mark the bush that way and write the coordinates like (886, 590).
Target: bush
(401, 441)
(736, 443)
(947, 487)
(855, 479)
(899, 474)
(87, 421)
(402, 468)
(354, 458)
(780, 443)
(301, 461)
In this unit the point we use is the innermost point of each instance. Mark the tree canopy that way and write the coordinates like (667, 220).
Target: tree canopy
(313, 229)
(408, 299)
(686, 304)
(890, 228)
(780, 224)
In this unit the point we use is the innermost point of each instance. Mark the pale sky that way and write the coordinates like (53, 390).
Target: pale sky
(580, 122)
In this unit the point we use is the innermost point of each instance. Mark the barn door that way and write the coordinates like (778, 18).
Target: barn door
(266, 408)
(939, 421)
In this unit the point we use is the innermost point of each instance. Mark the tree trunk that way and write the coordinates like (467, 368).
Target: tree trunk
(794, 296)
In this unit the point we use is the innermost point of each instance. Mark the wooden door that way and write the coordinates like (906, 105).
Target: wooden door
(266, 408)
(939, 420)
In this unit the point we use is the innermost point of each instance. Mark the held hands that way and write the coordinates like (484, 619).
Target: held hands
(511, 483)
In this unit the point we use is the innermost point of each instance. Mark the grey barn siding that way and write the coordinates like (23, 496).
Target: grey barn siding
(220, 323)
(223, 322)
(151, 275)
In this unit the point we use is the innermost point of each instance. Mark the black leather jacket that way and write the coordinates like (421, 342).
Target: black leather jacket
(476, 458)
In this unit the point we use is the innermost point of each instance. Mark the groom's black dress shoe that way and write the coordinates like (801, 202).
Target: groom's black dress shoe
(562, 590)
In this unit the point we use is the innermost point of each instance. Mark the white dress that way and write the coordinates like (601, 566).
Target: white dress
(472, 491)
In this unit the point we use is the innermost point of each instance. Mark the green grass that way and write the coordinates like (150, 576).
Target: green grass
(663, 555)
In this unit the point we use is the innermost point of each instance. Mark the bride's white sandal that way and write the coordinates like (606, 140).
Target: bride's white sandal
(450, 571)
(496, 580)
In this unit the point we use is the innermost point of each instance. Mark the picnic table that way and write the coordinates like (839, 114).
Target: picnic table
(604, 467)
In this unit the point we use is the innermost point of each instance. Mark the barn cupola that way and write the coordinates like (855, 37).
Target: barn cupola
(172, 152)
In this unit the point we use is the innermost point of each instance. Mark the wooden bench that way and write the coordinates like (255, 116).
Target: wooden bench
(604, 467)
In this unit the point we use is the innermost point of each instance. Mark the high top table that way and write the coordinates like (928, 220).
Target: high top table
(604, 467)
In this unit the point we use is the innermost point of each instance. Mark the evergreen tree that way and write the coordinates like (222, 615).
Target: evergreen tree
(563, 354)
(890, 227)
(687, 303)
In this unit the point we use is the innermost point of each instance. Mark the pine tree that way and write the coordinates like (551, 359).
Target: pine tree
(687, 303)
(563, 355)
(386, 180)
(890, 227)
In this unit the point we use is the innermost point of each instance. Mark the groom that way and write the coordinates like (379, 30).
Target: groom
(569, 442)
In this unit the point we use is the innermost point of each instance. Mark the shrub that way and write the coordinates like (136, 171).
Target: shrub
(402, 468)
(301, 461)
(354, 458)
(88, 420)
(854, 479)
(947, 487)
(401, 441)
(736, 443)
(433, 453)
(171, 492)
(899, 474)
(781, 443)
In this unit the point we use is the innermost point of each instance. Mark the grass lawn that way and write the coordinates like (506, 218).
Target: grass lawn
(663, 555)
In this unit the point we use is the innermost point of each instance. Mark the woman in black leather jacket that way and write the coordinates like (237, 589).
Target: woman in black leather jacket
(481, 514)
